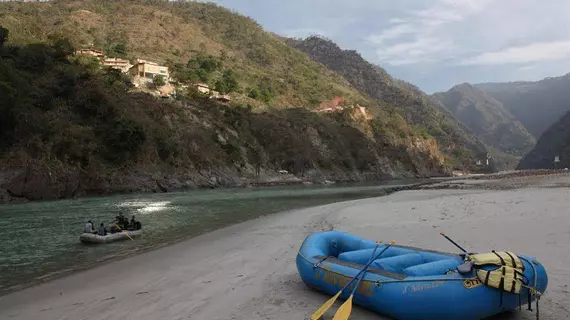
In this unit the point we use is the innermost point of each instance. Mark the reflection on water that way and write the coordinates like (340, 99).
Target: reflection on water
(40, 240)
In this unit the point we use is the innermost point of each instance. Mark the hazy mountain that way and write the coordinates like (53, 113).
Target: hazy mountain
(537, 105)
(554, 142)
(487, 118)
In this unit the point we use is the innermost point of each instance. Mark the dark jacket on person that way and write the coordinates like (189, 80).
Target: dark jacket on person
(102, 231)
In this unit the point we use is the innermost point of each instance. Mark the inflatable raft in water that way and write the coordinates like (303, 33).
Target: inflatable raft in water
(412, 283)
(110, 237)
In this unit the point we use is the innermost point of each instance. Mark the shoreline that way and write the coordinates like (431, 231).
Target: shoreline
(249, 267)
(23, 186)
(149, 185)
(69, 272)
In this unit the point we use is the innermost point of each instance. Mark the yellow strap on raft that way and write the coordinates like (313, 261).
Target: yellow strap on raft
(509, 274)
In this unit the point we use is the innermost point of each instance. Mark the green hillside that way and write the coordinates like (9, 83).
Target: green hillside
(455, 140)
(173, 33)
(71, 128)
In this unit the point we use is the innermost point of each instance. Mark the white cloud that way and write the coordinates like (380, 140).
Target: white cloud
(535, 52)
(433, 43)
(392, 33)
(419, 35)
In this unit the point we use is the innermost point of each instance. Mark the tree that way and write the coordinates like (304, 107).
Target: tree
(118, 51)
(63, 48)
(3, 35)
(158, 80)
(227, 83)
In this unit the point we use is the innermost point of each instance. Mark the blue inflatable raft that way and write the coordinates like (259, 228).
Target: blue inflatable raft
(410, 283)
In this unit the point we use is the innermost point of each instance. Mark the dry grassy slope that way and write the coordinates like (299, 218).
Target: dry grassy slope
(173, 31)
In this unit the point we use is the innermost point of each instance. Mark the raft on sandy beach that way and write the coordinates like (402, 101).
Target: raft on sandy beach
(413, 283)
(110, 237)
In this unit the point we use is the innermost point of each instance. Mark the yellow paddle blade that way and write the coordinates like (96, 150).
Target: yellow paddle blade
(319, 313)
(344, 311)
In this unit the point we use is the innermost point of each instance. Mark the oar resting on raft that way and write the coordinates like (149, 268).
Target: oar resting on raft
(125, 231)
(344, 311)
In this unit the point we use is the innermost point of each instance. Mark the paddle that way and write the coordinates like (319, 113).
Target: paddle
(332, 300)
(446, 237)
(344, 311)
(467, 266)
(320, 311)
(124, 231)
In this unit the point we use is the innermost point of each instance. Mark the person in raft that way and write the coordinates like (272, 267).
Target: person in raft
(123, 221)
(134, 225)
(88, 227)
(102, 231)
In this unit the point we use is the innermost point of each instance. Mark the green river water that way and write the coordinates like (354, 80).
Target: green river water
(40, 240)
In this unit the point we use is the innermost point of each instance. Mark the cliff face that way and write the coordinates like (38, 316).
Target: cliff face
(488, 119)
(554, 142)
(214, 145)
(455, 140)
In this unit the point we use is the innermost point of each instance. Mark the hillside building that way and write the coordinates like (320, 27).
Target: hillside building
(91, 52)
(203, 88)
(144, 71)
(117, 63)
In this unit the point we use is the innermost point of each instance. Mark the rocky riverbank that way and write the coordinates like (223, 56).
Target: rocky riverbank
(19, 186)
(506, 181)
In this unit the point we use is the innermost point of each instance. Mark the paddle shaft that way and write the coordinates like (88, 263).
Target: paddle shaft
(317, 314)
(125, 232)
(446, 237)
(366, 266)
(369, 263)
(343, 313)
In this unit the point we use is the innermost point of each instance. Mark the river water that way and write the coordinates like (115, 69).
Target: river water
(40, 240)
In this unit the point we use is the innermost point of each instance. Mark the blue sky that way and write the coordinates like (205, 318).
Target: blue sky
(433, 44)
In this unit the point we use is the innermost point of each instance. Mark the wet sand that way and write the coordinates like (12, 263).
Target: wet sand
(248, 271)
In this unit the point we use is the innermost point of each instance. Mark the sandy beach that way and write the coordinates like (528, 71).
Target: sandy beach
(248, 271)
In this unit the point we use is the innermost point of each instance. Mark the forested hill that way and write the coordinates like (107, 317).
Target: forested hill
(175, 32)
(267, 69)
(71, 128)
(455, 140)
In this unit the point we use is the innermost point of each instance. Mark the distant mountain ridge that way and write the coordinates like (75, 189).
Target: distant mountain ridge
(487, 118)
(456, 140)
(537, 105)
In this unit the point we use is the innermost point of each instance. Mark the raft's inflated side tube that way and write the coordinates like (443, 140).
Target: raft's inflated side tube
(406, 283)
(110, 237)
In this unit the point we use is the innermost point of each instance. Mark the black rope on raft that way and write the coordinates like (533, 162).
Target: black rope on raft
(318, 263)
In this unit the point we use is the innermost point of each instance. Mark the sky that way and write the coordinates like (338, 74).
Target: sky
(434, 44)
